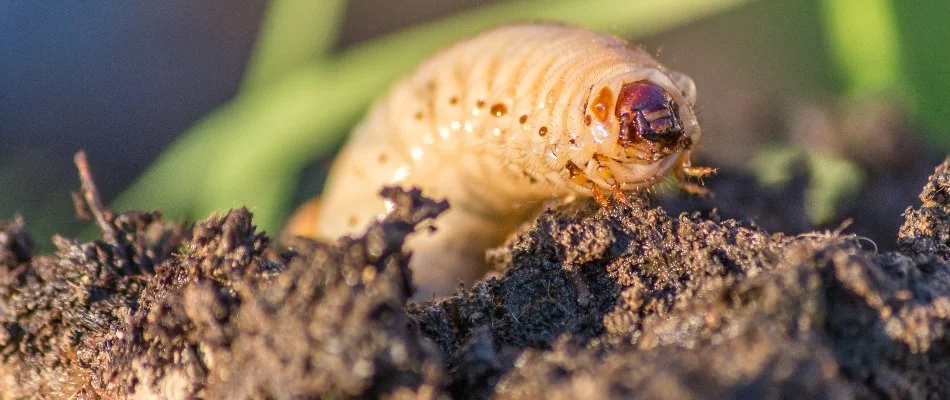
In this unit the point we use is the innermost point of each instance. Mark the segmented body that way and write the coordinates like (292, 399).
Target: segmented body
(499, 123)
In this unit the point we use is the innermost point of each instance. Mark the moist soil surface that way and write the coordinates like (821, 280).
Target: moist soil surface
(672, 299)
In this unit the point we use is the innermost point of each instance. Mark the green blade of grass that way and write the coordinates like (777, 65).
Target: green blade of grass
(897, 49)
(863, 38)
(632, 19)
(925, 44)
(293, 33)
(249, 151)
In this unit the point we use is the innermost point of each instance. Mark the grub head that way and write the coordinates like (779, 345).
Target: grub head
(650, 118)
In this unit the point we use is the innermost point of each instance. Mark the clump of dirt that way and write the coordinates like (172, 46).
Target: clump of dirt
(229, 319)
(625, 301)
(58, 310)
(631, 301)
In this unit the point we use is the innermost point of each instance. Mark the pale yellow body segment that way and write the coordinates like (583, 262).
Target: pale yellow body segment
(497, 124)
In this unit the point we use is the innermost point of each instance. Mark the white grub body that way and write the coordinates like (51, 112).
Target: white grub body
(497, 124)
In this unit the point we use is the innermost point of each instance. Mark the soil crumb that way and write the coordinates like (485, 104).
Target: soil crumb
(629, 301)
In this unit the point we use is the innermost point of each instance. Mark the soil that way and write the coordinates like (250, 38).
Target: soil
(629, 301)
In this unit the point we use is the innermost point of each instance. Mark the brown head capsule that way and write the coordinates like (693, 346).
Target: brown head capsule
(647, 112)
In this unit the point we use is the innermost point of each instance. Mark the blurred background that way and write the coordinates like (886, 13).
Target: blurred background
(816, 111)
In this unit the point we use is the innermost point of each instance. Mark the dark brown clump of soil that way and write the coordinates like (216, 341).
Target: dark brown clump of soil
(228, 319)
(590, 302)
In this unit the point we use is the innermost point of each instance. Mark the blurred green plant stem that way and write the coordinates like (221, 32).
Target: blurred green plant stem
(862, 37)
(293, 33)
(896, 49)
(299, 100)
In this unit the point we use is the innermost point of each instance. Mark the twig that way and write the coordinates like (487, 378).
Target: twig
(91, 194)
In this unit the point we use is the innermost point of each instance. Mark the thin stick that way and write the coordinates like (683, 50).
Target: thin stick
(91, 193)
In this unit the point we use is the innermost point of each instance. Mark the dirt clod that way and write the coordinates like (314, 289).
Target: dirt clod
(628, 301)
